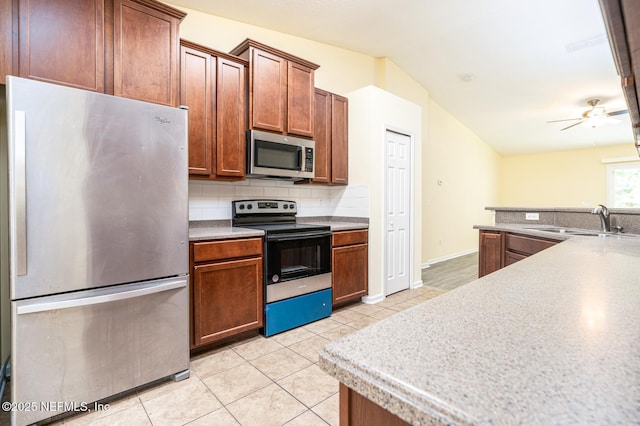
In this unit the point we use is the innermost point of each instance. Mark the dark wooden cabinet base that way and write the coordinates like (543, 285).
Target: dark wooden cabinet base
(350, 265)
(500, 249)
(356, 410)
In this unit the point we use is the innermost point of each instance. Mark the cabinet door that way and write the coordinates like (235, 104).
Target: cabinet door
(62, 42)
(195, 93)
(6, 39)
(490, 256)
(145, 53)
(230, 111)
(227, 299)
(339, 140)
(300, 100)
(268, 91)
(349, 273)
(322, 136)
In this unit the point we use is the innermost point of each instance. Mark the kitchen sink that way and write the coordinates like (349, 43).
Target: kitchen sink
(581, 232)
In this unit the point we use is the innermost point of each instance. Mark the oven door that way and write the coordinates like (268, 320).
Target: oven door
(297, 263)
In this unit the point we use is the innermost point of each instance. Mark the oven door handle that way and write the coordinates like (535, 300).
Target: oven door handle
(298, 236)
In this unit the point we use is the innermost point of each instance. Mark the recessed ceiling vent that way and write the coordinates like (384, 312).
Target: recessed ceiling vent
(586, 43)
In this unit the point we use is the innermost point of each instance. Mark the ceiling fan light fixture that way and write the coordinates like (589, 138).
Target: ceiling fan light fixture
(593, 122)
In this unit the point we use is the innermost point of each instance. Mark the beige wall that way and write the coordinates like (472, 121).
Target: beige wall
(574, 178)
(340, 71)
(450, 151)
(461, 176)
(371, 112)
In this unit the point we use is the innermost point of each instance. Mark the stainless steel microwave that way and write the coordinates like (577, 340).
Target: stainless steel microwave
(271, 155)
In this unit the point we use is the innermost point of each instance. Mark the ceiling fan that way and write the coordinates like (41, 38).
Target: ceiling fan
(594, 117)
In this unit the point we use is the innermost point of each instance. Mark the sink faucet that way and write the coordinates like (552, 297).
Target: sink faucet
(603, 214)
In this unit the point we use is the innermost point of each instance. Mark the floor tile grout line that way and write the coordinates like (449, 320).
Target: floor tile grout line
(439, 282)
(303, 403)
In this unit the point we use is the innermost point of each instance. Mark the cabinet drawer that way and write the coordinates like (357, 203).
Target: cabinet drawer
(345, 238)
(226, 249)
(526, 245)
(510, 258)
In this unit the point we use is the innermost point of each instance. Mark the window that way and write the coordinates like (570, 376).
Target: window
(623, 185)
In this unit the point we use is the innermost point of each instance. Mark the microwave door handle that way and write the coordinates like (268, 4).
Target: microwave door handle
(300, 151)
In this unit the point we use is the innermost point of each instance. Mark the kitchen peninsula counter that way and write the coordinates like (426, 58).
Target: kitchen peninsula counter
(552, 339)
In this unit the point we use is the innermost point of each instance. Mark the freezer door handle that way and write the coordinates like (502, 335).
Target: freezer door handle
(20, 135)
(102, 298)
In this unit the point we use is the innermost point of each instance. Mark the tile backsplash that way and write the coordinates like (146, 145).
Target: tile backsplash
(211, 200)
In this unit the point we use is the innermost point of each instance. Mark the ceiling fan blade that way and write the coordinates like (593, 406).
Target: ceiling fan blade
(573, 125)
(566, 119)
(622, 111)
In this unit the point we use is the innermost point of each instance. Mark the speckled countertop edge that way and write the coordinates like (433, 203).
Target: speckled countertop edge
(343, 358)
(523, 229)
(222, 229)
(561, 209)
(418, 408)
(526, 229)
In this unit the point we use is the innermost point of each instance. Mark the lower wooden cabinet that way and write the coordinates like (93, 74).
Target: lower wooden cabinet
(490, 253)
(227, 289)
(356, 410)
(500, 249)
(349, 265)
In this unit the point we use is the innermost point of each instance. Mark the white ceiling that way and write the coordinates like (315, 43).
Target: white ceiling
(532, 60)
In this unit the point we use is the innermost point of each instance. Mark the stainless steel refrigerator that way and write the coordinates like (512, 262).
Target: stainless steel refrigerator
(98, 245)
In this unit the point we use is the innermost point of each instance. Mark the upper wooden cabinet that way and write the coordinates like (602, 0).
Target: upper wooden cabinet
(622, 20)
(281, 89)
(212, 85)
(62, 42)
(145, 51)
(6, 39)
(126, 48)
(331, 134)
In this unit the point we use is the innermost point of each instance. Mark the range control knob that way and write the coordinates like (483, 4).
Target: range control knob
(286, 206)
(249, 206)
(241, 207)
(291, 206)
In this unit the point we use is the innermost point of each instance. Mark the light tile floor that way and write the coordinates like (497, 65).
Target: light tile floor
(259, 381)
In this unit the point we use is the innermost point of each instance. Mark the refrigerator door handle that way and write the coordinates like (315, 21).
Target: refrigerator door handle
(20, 136)
(102, 298)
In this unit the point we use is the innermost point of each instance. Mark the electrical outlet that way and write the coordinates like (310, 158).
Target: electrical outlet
(532, 216)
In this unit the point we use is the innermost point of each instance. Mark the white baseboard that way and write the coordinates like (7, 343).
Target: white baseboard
(417, 284)
(370, 300)
(449, 257)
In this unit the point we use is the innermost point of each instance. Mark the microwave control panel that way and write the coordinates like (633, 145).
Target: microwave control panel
(308, 160)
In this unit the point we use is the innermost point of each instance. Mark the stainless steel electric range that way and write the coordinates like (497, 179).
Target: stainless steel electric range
(297, 263)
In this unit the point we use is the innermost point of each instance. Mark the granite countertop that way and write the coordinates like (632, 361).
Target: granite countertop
(222, 229)
(552, 339)
(341, 226)
(634, 211)
(525, 230)
(541, 231)
(222, 232)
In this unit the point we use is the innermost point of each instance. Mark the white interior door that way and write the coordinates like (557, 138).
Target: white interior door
(397, 211)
